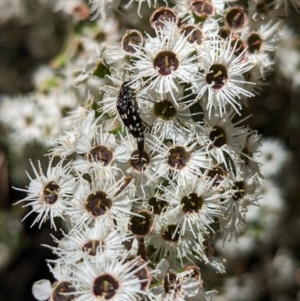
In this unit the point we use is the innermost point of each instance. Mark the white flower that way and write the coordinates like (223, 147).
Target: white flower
(272, 156)
(176, 286)
(260, 41)
(221, 76)
(24, 120)
(244, 193)
(84, 126)
(165, 60)
(154, 200)
(109, 279)
(96, 150)
(49, 194)
(64, 145)
(99, 199)
(195, 204)
(166, 114)
(221, 137)
(169, 242)
(180, 160)
(82, 241)
(142, 171)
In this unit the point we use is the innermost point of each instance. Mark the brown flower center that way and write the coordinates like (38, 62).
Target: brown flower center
(130, 38)
(192, 203)
(202, 9)
(161, 15)
(178, 157)
(217, 136)
(254, 42)
(193, 33)
(105, 287)
(100, 154)
(171, 283)
(141, 225)
(166, 62)
(224, 32)
(157, 205)
(217, 172)
(91, 247)
(51, 191)
(168, 233)
(165, 109)
(235, 18)
(137, 163)
(240, 190)
(217, 76)
(98, 203)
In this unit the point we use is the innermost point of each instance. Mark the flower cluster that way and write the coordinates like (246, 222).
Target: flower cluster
(160, 162)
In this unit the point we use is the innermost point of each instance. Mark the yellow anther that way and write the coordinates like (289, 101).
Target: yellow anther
(218, 74)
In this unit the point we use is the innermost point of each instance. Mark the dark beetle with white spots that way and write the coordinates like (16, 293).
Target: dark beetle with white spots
(129, 113)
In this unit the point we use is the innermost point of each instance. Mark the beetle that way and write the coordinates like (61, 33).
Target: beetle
(129, 113)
